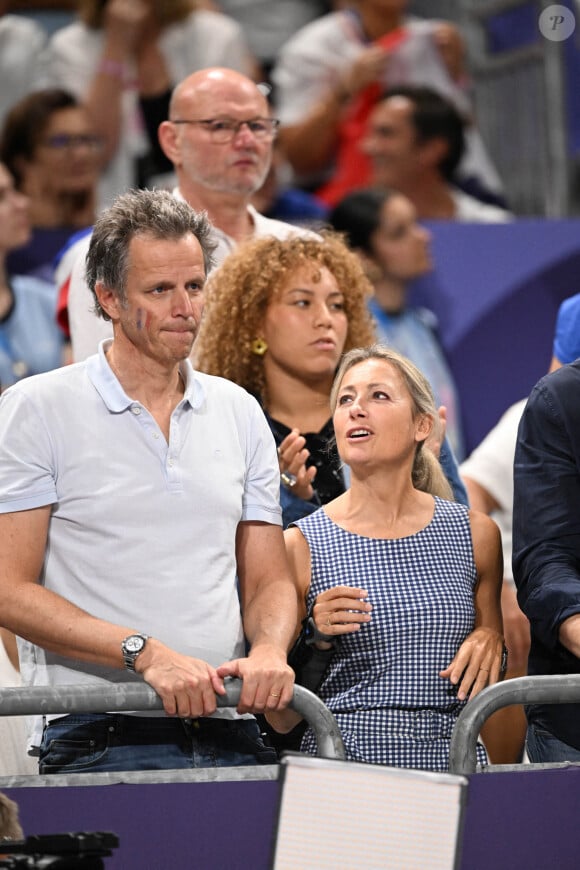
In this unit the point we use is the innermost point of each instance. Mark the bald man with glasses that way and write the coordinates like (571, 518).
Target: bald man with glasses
(219, 139)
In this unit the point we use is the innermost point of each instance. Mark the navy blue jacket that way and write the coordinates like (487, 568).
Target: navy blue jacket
(546, 533)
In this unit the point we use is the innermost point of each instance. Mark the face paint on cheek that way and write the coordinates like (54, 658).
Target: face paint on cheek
(139, 319)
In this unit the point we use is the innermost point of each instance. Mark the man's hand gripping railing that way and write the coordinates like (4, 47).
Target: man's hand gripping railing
(120, 697)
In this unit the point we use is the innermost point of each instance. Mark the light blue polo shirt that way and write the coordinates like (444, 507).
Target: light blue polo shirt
(142, 532)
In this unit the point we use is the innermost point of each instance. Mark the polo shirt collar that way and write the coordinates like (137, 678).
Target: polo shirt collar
(114, 396)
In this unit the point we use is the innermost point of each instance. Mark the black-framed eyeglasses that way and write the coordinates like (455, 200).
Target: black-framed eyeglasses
(67, 141)
(222, 130)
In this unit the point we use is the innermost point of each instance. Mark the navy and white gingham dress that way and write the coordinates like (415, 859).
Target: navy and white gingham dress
(383, 684)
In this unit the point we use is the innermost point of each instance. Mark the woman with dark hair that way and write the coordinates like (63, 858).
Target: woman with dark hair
(278, 316)
(400, 586)
(382, 228)
(123, 58)
(50, 148)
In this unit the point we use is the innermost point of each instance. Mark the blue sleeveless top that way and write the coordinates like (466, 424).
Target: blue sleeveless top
(383, 684)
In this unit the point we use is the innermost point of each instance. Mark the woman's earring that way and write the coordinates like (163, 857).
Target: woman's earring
(259, 346)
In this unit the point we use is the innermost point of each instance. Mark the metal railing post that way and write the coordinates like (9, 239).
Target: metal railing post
(558, 689)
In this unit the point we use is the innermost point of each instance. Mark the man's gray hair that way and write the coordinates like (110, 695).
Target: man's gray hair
(154, 213)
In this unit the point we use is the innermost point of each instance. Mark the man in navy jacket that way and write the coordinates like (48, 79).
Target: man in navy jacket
(546, 551)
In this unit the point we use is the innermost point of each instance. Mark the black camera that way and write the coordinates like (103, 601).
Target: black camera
(59, 851)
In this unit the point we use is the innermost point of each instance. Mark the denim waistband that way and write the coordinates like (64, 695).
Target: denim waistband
(165, 727)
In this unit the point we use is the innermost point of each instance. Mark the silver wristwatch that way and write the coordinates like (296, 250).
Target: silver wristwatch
(131, 647)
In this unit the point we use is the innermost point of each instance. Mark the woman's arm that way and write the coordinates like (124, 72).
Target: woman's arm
(478, 661)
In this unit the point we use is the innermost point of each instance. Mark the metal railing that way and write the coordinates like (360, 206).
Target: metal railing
(519, 98)
(559, 689)
(520, 104)
(140, 697)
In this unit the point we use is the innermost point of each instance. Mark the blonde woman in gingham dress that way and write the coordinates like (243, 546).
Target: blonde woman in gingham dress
(400, 582)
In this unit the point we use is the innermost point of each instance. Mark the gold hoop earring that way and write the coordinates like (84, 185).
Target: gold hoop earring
(259, 346)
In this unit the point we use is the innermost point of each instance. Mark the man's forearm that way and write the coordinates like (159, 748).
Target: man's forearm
(53, 623)
(309, 144)
(271, 616)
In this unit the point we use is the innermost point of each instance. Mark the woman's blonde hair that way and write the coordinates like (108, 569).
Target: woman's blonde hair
(427, 473)
(92, 12)
(240, 291)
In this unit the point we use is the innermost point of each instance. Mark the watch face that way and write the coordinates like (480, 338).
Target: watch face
(134, 644)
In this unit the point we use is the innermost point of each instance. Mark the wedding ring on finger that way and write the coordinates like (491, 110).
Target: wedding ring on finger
(288, 479)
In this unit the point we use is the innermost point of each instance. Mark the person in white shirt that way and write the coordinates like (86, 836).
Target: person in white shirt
(140, 525)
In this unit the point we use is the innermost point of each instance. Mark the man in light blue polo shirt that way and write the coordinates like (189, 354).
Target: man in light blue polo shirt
(134, 491)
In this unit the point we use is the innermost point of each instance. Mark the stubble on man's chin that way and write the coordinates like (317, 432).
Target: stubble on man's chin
(243, 187)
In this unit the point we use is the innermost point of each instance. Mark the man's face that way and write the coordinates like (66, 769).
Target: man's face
(390, 143)
(164, 298)
(238, 166)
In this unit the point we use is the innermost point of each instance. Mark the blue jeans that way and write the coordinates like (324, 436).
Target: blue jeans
(89, 743)
(542, 747)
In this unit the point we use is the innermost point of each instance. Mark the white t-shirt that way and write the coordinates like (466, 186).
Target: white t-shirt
(471, 210)
(21, 60)
(268, 25)
(491, 465)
